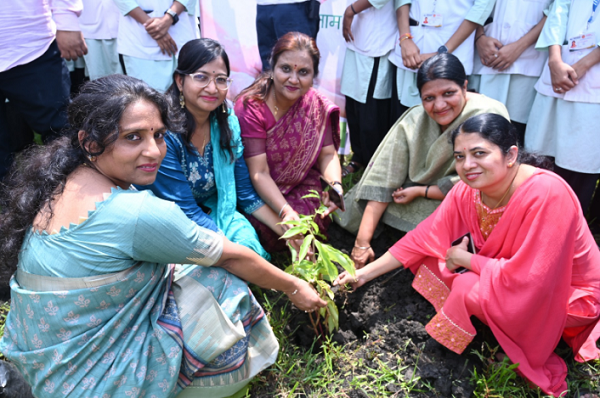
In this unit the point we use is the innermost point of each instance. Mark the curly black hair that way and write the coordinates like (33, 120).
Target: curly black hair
(39, 174)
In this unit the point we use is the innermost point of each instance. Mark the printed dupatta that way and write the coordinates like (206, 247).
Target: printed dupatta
(294, 143)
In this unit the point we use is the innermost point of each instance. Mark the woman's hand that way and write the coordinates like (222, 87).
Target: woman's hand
(331, 207)
(347, 24)
(356, 282)
(406, 195)
(158, 27)
(425, 57)
(487, 47)
(167, 45)
(507, 55)
(289, 215)
(563, 76)
(411, 54)
(362, 256)
(581, 67)
(305, 297)
(458, 256)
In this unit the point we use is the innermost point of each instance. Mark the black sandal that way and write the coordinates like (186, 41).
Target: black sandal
(350, 168)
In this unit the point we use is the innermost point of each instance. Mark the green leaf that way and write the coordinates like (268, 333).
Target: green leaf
(291, 222)
(334, 316)
(329, 269)
(314, 226)
(301, 230)
(305, 246)
(294, 254)
(342, 259)
(326, 288)
(311, 195)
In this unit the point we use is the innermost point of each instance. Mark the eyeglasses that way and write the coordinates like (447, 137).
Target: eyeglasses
(203, 80)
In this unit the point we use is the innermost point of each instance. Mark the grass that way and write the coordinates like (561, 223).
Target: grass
(331, 369)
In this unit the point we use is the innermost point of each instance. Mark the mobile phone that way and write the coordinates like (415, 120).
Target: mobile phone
(470, 249)
(334, 195)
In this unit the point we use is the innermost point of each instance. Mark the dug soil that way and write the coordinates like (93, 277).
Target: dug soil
(384, 321)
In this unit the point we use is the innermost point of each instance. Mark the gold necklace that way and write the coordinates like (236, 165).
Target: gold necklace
(275, 103)
(505, 193)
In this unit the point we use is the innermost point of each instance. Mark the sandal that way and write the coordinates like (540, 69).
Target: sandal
(350, 168)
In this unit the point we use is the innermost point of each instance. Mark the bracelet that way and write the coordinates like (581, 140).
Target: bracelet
(352, 7)
(362, 247)
(426, 191)
(478, 37)
(283, 207)
(406, 36)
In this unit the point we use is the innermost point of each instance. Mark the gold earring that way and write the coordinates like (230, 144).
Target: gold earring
(510, 164)
(92, 158)
(181, 100)
(224, 108)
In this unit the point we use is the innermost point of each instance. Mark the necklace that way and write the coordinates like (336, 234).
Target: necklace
(505, 193)
(275, 103)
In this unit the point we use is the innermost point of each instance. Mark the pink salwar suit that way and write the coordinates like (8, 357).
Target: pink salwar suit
(535, 279)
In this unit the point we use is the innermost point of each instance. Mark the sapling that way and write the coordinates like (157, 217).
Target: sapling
(315, 262)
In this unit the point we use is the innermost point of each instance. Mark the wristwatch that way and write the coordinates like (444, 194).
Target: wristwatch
(173, 15)
(442, 49)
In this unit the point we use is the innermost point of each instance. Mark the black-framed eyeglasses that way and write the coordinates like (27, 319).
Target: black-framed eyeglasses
(222, 82)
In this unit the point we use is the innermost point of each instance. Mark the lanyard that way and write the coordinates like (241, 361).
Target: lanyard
(594, 7)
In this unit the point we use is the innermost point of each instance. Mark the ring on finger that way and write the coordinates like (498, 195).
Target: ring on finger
(496, 55)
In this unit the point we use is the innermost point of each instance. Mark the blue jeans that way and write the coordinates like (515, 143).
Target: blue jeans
(39, 94)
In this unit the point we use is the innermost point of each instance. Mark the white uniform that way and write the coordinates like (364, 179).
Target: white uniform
(141, 54)
(566, 125)
(99, 23)
(512, 19)
(429, 38)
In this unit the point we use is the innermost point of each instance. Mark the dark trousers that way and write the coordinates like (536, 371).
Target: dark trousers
(583, 184)
(370, 122)
(274, 21)
(38, 93)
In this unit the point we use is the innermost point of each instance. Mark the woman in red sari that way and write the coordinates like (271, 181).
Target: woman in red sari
(535, 276)
(290, 134)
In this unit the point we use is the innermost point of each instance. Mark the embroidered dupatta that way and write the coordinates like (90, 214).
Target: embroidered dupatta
(294, 143)
(539, 256)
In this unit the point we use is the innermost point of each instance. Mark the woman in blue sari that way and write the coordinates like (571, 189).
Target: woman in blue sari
(204, 171)
(100, 303)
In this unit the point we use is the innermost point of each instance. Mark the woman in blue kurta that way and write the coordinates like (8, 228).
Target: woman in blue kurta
(204, 171)
(100, 305)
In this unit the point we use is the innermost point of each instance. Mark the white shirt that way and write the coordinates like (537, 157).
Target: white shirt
(99, 19)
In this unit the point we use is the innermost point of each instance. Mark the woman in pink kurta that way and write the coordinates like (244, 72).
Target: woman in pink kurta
(535, 276)
(291, 134)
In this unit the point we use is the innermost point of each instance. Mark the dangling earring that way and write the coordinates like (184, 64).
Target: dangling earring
(271, 77)
(92, 158)
(224, 108)
(181, 100)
